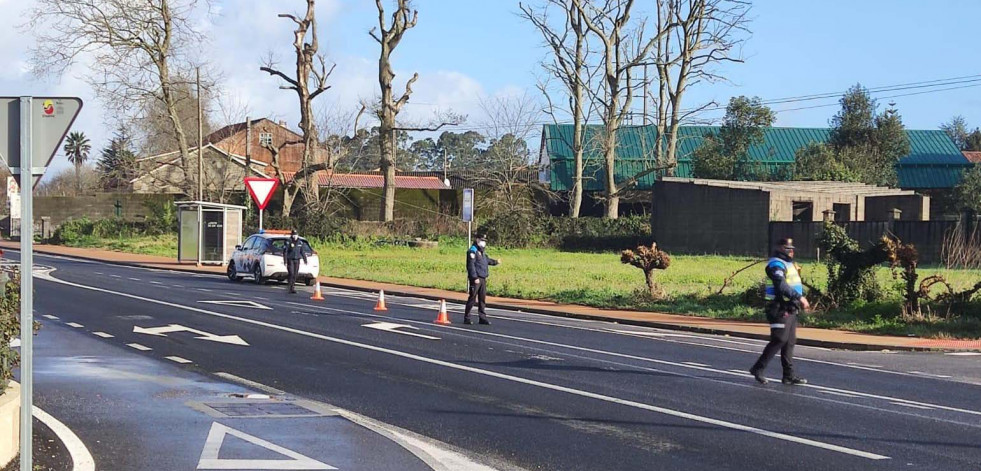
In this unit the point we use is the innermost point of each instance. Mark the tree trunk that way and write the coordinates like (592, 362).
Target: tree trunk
(175, 121)
(610, 156)
(386, 128)
(287, 202)
(78, 178)
(651, 284)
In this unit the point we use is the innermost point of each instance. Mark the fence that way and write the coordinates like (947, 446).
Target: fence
(927, 236)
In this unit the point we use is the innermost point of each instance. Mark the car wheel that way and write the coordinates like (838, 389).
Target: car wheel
(309, 281)
(232, 272)
(257, 274)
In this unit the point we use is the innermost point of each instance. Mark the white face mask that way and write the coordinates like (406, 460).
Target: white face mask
(294, 238)
(481, 244)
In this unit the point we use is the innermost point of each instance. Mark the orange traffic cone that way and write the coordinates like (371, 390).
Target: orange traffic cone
(317, 295)
(381, 302)
(442, 318)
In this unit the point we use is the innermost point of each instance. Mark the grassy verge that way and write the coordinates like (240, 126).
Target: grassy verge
(600, 280)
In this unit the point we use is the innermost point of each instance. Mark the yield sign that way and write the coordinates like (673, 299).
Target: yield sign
(212, 447)
(47, 118)
(261, 189)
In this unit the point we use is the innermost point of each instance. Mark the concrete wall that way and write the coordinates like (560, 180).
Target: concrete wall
(914, 207)
(98, 206)
(9, 424)
(781, 204)
(706, 219)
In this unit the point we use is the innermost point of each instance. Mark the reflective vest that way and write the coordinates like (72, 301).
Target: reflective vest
(790, 274)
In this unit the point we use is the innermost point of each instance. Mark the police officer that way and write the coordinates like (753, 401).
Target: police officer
(477, 271)
(292, 254)
(785, 299)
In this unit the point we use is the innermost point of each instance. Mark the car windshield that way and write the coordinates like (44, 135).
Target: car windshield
(277, 246)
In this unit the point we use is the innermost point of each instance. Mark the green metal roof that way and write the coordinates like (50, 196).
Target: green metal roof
(934, 160)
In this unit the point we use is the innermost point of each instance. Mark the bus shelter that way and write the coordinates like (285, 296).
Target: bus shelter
(208, 232)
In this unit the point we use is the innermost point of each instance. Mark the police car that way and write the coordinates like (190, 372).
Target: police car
(261, 257)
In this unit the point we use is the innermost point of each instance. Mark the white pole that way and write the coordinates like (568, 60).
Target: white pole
(469, 232)
(260, 219)
(26, 287)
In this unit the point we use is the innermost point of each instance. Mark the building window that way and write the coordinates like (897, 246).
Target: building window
(843, 212)
(265, 139)
(803, 211)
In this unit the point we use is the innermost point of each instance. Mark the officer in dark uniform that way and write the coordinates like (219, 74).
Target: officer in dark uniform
(292, 254)
(477, 271)
(785, 299)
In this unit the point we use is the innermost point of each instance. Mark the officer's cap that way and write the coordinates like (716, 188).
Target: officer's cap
(786, 243)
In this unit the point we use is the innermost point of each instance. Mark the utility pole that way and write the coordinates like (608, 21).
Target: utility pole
(248, 156)
(200, 140)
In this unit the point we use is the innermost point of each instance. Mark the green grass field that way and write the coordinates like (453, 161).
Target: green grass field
(600, 280)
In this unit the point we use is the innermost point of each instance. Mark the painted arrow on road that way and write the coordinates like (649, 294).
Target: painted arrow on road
(172, 328)
(249, 304)
(393, 327)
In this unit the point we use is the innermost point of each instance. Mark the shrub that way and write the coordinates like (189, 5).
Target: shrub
(73, 231)
(162, 218)
(112, 228)
(9, 326)
(512, 230)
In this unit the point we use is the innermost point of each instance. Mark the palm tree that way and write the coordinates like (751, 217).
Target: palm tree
(77, 149)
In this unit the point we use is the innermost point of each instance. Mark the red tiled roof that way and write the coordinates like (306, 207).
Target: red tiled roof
(364, 180)
(974, 157)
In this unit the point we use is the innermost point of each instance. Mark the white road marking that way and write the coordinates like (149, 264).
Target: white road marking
(103, 335)
(835, 393)
(392, 327)
(15, 343)
(963, 354)
(134, 279)
(920, 373)
(179, 360)
(98, 273)
(248, 304)
(74, 324)
(142, 348)
(115, 276)
(251, 384)
(212, 446)
(206, 290)
(914, 406)
(81, 458)
(694, 364)
(48, 316)
(177, 286)
(866, 366)
(494, 374)
(156, 283)
(164, 330)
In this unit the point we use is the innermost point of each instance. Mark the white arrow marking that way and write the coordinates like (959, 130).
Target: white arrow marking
(162, 331)
(210, 460)
(249, 304)
(14, 343)
(392, 327)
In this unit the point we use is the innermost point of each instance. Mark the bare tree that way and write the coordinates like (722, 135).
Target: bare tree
(507, 163)
(140, 52)
(309, 80)
(624, 47)
(567, 40)
(703, 33)
(404, 18)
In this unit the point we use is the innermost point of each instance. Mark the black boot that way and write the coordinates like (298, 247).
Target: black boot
(793, 380)
(758, 374)
(467, 321)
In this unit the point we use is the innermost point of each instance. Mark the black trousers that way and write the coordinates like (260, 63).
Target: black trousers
(478, 294)
(782, 339)
(292, 268)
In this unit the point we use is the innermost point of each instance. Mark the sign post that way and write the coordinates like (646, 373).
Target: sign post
(468, 212)
(28, 147)
(261, 190)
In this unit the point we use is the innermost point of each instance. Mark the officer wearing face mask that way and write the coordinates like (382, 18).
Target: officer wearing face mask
(785, 300)
(292, 254)
(477, 272)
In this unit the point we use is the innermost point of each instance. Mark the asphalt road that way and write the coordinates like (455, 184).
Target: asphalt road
(532, 391)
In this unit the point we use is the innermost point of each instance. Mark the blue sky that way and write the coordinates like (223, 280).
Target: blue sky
(466, 49)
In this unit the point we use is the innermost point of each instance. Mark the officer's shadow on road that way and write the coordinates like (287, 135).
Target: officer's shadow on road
(560, 365)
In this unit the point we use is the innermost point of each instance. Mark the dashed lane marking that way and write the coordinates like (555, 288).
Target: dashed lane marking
(75, 325)
(48, 316)
(134, 279)
(115, 276)
(929, 374)
(142, 348)
(180, 360)
(914, 406)
(963, 354)
(155, 283)
(103, 335)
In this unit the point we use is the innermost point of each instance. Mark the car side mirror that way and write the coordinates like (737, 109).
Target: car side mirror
(238, 247)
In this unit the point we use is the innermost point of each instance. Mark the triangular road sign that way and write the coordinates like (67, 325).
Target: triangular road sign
(261, 189)
(50, 120)
(210, 460)
(250, 304)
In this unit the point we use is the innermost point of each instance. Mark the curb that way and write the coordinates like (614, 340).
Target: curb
(496, 305)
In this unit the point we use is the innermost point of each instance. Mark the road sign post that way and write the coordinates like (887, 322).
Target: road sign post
(28, 147)
(262, 190)
(468, 212)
